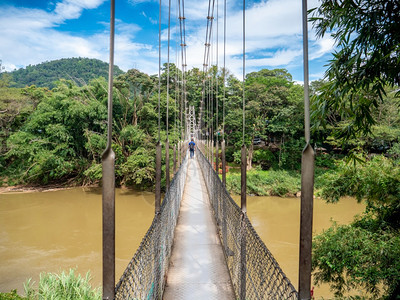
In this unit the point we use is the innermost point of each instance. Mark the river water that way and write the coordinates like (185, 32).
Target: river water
(58, 230)
(277, 221)
(53, 231)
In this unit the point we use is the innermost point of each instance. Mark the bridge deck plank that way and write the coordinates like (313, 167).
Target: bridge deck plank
(197, 267)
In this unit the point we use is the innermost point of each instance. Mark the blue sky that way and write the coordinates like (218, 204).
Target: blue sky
(33, 31)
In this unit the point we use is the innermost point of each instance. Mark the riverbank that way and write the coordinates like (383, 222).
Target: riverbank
(259, 183)
(280, 183)
(37, 188)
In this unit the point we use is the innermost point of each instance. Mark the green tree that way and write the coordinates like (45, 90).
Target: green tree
(363, 255)
(135, 88)
(351, 257)
(81, 70)
(51, 144)
(272, 99)
(381, 136)
(367, 60)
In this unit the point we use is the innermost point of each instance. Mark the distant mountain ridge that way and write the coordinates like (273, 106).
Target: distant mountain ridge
(81, 70)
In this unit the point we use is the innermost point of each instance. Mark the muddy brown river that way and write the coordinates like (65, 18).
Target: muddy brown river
(58, 230)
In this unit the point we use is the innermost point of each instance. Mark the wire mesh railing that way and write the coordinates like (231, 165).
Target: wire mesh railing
(144, 277)
(254, 272)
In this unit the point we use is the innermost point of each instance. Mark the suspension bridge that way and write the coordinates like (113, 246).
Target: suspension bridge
(201, 244)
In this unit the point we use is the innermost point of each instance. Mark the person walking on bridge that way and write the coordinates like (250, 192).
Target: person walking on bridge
(191, 148)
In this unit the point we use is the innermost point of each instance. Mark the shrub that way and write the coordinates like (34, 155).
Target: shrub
(265, 158)
(63, 286)
(266, 183)
(11, 296)
(93, 174)
(229, 151)
(349, 257)
(377, 181)
(325, 160)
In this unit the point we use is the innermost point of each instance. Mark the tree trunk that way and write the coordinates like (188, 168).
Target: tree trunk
(250, 156)
(134, 121)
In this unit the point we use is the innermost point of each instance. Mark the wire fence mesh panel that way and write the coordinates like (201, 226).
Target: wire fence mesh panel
(144, 277)
(249, 261)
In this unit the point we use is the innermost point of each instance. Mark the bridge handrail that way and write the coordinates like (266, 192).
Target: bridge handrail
(264, 279)
(144, 277)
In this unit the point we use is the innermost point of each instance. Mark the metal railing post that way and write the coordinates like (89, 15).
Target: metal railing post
(157, 261)
(243, 200)
(174, 159)
(243, 204)
(179, 153)
(167, 173)
(223, 162)
(158, 178)
(108, 197)
(307, 182)
(217, 157)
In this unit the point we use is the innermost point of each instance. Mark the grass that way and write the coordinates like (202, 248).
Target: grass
(266, 183)
(66, 286)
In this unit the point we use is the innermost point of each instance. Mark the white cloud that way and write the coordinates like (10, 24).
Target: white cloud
(125, 28)
(321, 47)
(316, 76)
(273, 36)
(30, 36)
(273, 26)
(72, 9)
(135, 2)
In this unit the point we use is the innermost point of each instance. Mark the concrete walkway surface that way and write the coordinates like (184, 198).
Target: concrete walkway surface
(197, 267)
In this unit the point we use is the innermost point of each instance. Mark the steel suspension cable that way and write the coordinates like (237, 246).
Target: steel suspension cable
(159, 72)
(210, 84)
(204, 98)
(244, 64)
(216, 96)
(167, 173)
(184, 63)
(207, 45)
(176, 71)
(223, 106)
(183, 54)
(243, 204)
(169, 39)
(158, 146)
(176, 94)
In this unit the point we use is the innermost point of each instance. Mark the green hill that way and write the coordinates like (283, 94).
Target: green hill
(45, 74)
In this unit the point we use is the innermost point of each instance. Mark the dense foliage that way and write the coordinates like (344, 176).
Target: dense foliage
(13, 295)
(15, 107)
(363, 255)
(356, 111)
(353, 257)
(58, 135)
(80, 70)
(367, 59)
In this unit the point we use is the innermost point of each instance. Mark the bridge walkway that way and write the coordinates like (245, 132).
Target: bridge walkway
(197, 268)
